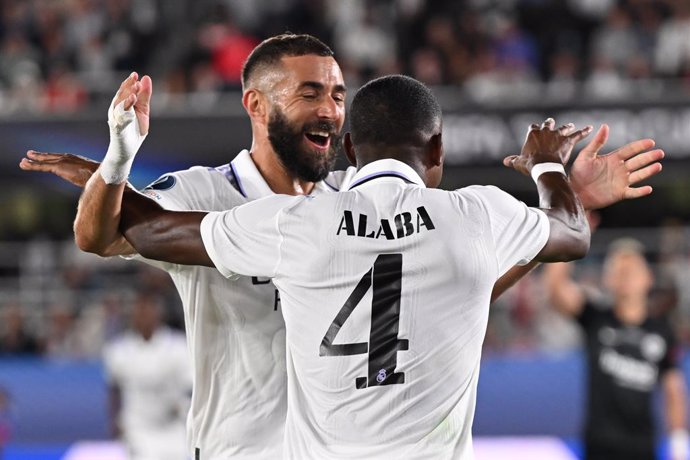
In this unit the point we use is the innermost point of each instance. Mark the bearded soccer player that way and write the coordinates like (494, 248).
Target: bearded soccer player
(224, 318)
(370, 257)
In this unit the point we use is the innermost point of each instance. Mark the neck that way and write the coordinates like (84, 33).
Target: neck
(631, 310)
(274, 173)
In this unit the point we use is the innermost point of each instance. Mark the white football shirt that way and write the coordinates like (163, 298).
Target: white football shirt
(155, 380)
(385, 290)
(235, 329)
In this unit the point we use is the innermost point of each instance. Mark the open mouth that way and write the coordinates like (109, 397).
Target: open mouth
(320, 139)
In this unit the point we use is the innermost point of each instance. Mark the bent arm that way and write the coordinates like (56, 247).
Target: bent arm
(98, 217)
(564, 294)
(159, 234)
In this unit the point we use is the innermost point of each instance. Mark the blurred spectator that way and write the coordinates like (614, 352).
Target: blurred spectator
(630, 352)
(63, 337)
(15, 338)
(149, 377)
(673, 45)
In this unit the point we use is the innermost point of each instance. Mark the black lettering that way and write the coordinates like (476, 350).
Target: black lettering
(385, 228)
(362, 227)
(347, 224)
(423, 219)
(403, 224)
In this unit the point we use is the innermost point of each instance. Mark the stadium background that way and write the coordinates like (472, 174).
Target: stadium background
(497, 66)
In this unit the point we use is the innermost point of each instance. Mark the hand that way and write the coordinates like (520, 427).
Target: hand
(132, 101)
(72, 168)
(136, 93)
(546, 144)
(602, 180)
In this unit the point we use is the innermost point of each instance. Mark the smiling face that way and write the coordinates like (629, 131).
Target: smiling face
(307, 114)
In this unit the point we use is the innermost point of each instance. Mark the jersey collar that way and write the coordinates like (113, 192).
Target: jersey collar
(386, 168)
(250, 181)
(253, 185)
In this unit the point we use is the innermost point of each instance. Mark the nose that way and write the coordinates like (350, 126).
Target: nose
(328, 109)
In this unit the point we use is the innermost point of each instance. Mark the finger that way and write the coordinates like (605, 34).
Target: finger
(549, 123)
(130, 101)
(637, 192)
(644, 159)
(32, 165)
(644, 173)
(125, 89)
(144, 98)
(633, 148)
(597, 142)
(565, 130)
(509, 161)
(580, 134)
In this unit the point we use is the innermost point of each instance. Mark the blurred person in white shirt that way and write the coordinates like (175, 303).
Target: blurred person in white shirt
(149, 376)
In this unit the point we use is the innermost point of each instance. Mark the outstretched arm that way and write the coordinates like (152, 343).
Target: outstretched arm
(544, 148)
(98, 214)
(600, 181)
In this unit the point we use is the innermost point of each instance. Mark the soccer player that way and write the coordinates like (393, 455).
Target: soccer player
(294, 94)
(629, 354)
(385, 287)
(224, 319)
(150, 379)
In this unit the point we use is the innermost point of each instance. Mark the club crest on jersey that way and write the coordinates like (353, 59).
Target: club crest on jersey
(163, 183)
(402, 225)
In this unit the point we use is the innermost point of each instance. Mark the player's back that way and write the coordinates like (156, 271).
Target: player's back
(385, 291)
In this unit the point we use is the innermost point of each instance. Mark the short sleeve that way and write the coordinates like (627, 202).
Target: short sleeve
(518, 231)
(110, 364)
(246, 240)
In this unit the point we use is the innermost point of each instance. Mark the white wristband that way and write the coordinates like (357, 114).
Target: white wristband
(125, 140)
(541, 168)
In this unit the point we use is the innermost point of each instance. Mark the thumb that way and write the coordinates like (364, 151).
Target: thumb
(591, 150)
(145, 92)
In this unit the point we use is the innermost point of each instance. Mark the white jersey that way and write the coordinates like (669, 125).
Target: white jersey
(235, 328)
(385, 290)
(154, 378)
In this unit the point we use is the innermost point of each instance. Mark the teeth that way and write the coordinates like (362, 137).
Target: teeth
(319, 133)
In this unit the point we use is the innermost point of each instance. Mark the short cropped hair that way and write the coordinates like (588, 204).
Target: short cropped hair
(272, 50)
(393, 110)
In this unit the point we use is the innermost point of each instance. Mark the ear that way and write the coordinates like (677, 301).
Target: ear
(349, 149)
(254, 103)
(435, 150)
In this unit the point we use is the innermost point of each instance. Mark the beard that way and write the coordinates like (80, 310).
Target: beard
(288, 142)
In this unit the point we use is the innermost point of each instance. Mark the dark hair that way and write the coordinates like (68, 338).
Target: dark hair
(272, 50)
(393, 110)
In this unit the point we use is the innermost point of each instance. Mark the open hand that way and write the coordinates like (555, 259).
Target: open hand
(72, 168)
(602, 180)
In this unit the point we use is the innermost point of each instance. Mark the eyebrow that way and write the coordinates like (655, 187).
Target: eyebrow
(319, 86)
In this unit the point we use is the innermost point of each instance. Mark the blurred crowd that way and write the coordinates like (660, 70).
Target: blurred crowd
(61, 55)
(72, 305)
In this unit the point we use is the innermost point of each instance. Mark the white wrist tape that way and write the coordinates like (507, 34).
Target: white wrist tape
(125, 140)
(678, 444)
(541, 168)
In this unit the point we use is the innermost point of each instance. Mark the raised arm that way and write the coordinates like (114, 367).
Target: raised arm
(600, 181)
(98, 214)
(109, 209)
(545, 151)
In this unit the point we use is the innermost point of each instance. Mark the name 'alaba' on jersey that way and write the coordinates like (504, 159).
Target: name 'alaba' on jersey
(234, 327)
(385, 290)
